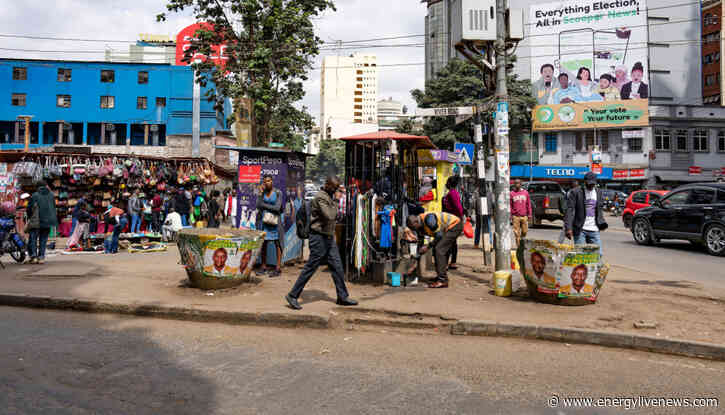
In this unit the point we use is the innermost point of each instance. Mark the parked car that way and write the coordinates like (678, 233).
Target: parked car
(694, 212)
(549, 201)
(638, 200)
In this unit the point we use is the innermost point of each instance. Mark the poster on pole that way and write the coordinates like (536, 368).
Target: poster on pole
(589, 68)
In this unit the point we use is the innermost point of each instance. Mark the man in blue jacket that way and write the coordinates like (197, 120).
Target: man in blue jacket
(42, 204)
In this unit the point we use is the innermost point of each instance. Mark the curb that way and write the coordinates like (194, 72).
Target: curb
(584, 336)
(268, 319)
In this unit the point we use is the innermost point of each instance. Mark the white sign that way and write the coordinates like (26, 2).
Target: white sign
(632, 133)
(443, 112)
(483, 203)
(502, 161)
(481, 166)
(478, 134)
(561, 172)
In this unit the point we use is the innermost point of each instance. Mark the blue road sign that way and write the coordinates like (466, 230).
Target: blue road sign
(465, 153)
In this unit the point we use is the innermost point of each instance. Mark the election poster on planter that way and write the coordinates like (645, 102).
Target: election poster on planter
(589, 64)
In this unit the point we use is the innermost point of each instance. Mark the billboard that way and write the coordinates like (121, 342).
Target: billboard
(183, 43)
(589, 64)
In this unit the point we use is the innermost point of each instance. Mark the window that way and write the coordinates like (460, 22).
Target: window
(64, 75)
(640, 197)
(108, 75)
(143, 77)
(701, 197)
(681, 140)
(700, 140)
(662, 140)
(584, 139)
(62, 101)
(603, 140)
(18, 100)
(678, 198)
(720, 196)
(710, 80)
(635, 144)
(142, 103)
(108, 102)
(20, 73)
(653, 197)
(721, 141)
(160, 101)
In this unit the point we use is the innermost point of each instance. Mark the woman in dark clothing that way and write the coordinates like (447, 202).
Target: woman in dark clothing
(269, 211)
(182, 206)
(452, 204)
(214, 210)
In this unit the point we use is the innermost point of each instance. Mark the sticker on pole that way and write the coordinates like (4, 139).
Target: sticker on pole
(465, 153)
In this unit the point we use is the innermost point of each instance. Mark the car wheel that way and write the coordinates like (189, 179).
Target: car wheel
(627, 219)
(715, 240)
(642, 232)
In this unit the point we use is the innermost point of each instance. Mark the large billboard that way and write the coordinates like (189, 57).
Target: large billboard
(589, 64)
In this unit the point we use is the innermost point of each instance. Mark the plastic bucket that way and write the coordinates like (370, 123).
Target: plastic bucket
(394, 279)
(502, 283)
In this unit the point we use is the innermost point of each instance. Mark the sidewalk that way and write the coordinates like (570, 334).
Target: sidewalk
(682, 310)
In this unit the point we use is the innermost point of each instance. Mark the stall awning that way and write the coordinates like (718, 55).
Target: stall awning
(420, 141)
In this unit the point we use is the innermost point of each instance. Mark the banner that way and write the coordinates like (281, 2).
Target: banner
(225, 257)
(590, 57)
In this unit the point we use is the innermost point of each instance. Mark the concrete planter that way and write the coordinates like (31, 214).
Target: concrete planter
(215, 258)
(560, 273)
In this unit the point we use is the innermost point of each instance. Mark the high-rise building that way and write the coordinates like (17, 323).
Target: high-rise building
(438, 48)
(390, 113)
(349, 94)
(711, 50)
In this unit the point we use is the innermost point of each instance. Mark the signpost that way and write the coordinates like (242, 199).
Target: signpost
(465, 153)
(444, 112)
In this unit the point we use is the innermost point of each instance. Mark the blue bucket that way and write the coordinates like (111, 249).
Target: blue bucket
(394, 279)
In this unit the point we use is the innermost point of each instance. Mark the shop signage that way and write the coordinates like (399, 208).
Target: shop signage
(632, 174)
(620, 174)
(557, 172)
(250, 174)
(695, 170)
(183, 43)
(633, 133)
(636, 173)
(596, 168)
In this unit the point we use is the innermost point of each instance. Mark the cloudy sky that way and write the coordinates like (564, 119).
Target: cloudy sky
(111, 20)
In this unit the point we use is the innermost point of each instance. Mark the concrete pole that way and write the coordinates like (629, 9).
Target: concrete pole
(196, 122)
(145, 134)
(502, 189)
(27, 133)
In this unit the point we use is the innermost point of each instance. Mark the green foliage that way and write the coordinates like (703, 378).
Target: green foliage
(270, 46)
(330, 160)
(460, 84)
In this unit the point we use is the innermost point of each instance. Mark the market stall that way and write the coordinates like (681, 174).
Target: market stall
(381, 178)
(438, 166)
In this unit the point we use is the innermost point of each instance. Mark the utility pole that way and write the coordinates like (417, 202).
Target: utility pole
(502, 189)
(26, 118)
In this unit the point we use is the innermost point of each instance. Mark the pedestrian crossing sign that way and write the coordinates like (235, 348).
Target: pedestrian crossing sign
(465, 153)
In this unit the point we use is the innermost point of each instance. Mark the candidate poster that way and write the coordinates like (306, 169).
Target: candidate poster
(589, 64)
(224, 257)
(541, 263)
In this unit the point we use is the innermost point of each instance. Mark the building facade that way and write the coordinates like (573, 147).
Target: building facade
(438, 47)
(390, 113)
(99, 103)
(348, 93)
(711, 49)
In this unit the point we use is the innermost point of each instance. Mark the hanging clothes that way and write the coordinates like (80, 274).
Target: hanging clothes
(386, 230)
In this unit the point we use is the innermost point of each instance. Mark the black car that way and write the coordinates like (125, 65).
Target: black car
(694, 212)
(548, 199)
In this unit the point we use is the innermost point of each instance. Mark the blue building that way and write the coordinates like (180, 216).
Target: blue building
(98, 103)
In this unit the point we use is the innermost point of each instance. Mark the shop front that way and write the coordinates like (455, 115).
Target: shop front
(562, 174)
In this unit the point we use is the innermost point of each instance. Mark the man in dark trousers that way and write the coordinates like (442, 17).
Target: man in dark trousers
(42, 204)
(584, 218)
(445, 229)
(323, 212)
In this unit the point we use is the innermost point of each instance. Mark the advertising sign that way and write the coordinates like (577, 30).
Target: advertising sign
(558, 172)
(695, 170)
(619, 174)
(220, 257)
(634, 173)
(183, 43)
(589, 67)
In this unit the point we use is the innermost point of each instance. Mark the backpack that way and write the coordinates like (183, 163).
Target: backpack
(303, 220)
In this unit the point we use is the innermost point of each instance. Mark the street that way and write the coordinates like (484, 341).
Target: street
(669, 260)
(70, 363)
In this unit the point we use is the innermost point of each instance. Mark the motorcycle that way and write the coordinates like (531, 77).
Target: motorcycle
(10, 240)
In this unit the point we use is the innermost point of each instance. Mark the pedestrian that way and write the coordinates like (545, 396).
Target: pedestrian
(269, 214)
(562, 234)
(445, 228)
(43, 216)
(230, 208)
(214, 210)
(323, 212)
(584, 217)
(479, 218)
(520, 210)
(134, 209)
(172, 225)
(182, 206)
(452, 204)
(156, 206)
(76, 213)
(116, 217)
(79, 237)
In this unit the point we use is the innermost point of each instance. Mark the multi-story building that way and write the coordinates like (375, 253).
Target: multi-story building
(390, 113)
(438, 47)
(711, 49)
(148, 49)
(313, 141)
(100, 103)
(348, 94)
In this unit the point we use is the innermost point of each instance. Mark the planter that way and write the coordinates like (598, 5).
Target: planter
(215, 258)
(560, 273)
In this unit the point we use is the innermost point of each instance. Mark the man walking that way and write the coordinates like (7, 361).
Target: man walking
(445, 229)
(42, 204)
(584, 218)
(323, 212)
(520, 210)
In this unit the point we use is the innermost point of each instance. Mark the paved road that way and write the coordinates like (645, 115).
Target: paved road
(74, 363)
(670, 260)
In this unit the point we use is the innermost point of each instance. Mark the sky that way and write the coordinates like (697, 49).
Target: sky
(111, 20)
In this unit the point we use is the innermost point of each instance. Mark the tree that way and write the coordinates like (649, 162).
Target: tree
(269, 46)
(329, 161)
(460, 84)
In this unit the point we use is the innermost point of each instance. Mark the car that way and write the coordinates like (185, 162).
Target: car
(693, 212)
(549, 201)
(638, 200)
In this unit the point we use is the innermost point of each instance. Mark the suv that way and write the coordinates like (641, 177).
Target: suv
(549, 201)
(638, 200)
(694, 212)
